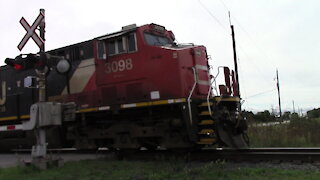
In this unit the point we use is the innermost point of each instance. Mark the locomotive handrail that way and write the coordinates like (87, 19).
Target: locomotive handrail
(191, 92)
(215, 87)
(208, 97)
(214, 79)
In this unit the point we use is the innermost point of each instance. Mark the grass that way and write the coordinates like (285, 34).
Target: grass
(134, 170)
(300, 132)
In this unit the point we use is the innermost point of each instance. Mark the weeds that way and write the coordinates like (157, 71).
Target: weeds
(300, 132)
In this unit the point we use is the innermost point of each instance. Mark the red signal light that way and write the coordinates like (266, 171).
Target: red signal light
(16, 63)
(17, 67)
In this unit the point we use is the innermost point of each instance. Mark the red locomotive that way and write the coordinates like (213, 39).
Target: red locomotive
(133, 88)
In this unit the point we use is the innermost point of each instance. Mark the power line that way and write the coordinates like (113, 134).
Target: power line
(256, 67)
(224, 5)
(212, 15)
(245, 31)
(265, 92)
(253, 63)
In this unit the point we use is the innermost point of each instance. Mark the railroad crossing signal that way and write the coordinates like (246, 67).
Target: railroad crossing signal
(31, 31)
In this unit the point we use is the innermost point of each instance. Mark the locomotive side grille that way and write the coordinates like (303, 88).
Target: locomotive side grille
(83, 99)
(109, 95)
(134, 91)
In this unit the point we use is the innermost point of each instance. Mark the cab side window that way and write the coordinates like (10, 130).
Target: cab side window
(132, 43)
(122, 44)
(102, 50)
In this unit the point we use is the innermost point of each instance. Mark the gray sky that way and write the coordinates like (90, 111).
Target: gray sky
(270, 34)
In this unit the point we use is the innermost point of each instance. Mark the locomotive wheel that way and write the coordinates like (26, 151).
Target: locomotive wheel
(231, 130)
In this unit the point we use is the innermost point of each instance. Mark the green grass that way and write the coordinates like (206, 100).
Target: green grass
(300, 132)
(114, 170)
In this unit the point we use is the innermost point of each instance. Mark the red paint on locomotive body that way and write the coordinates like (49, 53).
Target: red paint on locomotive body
(144, 64)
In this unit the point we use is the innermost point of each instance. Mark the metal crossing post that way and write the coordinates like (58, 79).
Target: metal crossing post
(40, 149)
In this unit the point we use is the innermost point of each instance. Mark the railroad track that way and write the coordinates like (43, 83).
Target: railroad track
(299, 155)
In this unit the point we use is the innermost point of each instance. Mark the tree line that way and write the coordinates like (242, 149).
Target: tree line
(266, 116)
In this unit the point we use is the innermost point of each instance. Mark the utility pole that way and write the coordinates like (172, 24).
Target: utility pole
(235, 58)
(235, 61)
(278, 87)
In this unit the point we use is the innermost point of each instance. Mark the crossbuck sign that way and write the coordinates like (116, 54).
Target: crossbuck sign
(31, 32)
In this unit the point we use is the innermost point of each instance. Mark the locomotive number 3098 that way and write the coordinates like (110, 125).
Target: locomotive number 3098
(119, 65)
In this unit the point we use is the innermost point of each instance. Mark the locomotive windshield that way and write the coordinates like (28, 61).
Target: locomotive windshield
(156, 40)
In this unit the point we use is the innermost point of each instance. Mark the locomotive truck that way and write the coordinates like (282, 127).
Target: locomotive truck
(129, 89)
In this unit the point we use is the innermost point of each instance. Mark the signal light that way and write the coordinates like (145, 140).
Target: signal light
(14, 63)
(18, 67)
(41, 61)
(28, 61)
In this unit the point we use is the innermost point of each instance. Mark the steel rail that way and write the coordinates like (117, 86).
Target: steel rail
(252, 155)
(223, 154)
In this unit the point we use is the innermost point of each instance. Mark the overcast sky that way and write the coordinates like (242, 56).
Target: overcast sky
(270, 34)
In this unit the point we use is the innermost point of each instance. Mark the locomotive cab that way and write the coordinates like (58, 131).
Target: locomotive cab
(144, 63)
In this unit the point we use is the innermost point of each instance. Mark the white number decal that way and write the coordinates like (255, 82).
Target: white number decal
(114, 66)
(129, 65)
(108, 68)
(122, 65)
(118, 65)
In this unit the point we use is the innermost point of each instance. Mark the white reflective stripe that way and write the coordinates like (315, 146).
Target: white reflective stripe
(16, 127)
(201, 82)
(128, 105)
(141, 104)
(19, 127)
(201, 67)
(180, 100)
(204, 68)
(103, 108)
